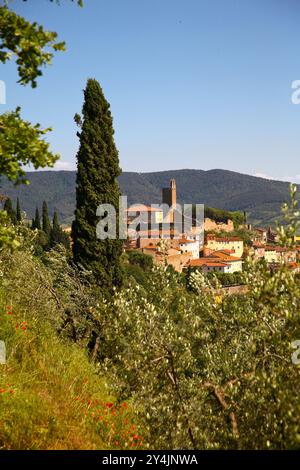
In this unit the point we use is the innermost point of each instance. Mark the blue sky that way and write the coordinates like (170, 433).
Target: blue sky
(192, 83)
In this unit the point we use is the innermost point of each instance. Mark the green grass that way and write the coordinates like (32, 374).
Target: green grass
(51, 395)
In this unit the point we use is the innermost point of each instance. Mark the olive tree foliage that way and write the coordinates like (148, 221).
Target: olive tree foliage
(22, 143)
(205, 372)
(27, 43)
(291, 217)
(8, 238)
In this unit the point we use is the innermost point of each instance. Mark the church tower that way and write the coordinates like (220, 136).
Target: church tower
(169, 194)
(169, 198)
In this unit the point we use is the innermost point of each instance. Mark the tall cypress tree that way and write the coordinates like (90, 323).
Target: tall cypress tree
(57, 234)
(55, 231)
(55, 223)
(96, 183)
(8, 207)
(36, 222)
(18, 211)
(46, 226)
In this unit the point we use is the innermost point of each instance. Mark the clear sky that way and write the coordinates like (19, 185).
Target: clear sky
(192, 83)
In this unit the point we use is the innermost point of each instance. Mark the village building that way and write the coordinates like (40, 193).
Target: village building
(214, 243)
(170, 256)
(272, 236)
(260, 235)
(279, 254)
(213, 226)
(258, 250)
(188, 246)
(219, 261)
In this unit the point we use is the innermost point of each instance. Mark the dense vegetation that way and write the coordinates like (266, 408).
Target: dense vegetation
(260, 198)
(196, 370)
(52, 393)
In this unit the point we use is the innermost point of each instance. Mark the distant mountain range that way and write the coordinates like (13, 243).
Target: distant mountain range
(259, 197)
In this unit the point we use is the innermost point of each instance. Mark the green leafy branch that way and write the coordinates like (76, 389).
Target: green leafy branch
(28, 42)
(21, 143)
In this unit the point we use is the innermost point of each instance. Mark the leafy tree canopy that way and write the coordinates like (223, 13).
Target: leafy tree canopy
(22, 143)
(28, 43)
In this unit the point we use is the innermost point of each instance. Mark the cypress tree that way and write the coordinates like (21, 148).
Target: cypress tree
(36, 222)
(96, 183)
(8, 207)
(55, 223)
(58, 235)
(18, 211)
(46, 226)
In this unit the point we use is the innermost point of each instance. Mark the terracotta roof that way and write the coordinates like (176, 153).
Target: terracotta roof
(258, 245)
(182, 241)
(270, 248)
(293, 266)
(205, 261)
(224, 239)
(214, 264)
(279, 249)
(224, 256)
(149, 247)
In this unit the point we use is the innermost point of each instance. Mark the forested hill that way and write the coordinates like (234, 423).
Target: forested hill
(223, 189)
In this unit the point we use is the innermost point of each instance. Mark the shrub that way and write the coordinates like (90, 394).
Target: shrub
(51, 394)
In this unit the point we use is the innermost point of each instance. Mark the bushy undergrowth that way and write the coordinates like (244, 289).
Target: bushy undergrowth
(187, 368)
(209, 372)
(51, 394)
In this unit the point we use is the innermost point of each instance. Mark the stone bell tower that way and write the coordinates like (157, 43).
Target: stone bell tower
(169, 194)
(169, 198)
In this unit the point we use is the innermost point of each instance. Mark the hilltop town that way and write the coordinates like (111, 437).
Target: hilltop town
(213, 247)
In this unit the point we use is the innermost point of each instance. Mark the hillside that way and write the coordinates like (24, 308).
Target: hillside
(224, 189)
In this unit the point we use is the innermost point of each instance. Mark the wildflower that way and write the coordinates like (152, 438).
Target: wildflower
(109, 405)
(135, 437)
